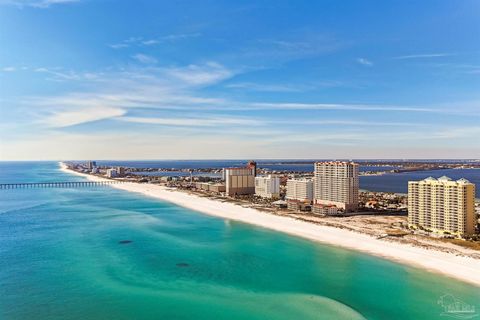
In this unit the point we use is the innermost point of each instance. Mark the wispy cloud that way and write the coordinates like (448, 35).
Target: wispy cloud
(142, 94)
(194, 122)
(150, 42)
(142, 42)
(336, 106)
(58, 74)
(178, 36)
(284, 87)
(9, 69)
(69, 118)
(279, 50)
(36, 3)
(350, 123)
(109, 94)
(143, 58)
(118, 45)
(365, 62)
(423, 56)
(265, 87)
(209, 73)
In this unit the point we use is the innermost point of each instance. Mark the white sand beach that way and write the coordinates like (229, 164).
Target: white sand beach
(459, 267)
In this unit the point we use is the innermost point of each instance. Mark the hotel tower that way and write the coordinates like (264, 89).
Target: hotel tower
(336, 183)
(442, 205)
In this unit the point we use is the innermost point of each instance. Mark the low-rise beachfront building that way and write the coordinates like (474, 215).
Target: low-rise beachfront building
(239, 181)
(297, 205)
(337, 183)
(111, 173)
(267, 187)
(442, 205)
(210, 187)
(325, 210)
(299, 189)
(217, 188)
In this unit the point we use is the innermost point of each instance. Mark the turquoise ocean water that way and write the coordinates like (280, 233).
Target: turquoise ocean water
(101, 253)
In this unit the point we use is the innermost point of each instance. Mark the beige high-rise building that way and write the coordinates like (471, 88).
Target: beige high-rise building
(442, 205)
(300, 189)
(267, 187)
(239, 181)
(336, 183)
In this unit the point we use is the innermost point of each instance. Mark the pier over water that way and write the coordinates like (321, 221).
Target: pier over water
(60, 184)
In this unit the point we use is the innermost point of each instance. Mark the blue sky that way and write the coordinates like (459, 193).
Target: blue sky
(101, 79)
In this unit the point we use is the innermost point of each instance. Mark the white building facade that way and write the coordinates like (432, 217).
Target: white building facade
(299, 189)
(111, 173)
(337, 183)
(267, 187)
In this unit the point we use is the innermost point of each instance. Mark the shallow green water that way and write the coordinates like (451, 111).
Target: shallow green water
(60, 258)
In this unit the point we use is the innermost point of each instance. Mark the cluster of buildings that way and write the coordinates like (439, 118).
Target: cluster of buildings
(333, 189)
(438, 205)
(91, 167)
(382, 202)
(435, 205)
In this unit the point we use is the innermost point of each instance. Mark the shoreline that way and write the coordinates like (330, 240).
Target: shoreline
(458, 267)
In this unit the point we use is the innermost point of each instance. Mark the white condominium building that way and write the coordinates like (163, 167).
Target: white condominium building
(239, 181)
(442, 205)
(336, 183)
(300, 189)
(267, 187)
(111, 173)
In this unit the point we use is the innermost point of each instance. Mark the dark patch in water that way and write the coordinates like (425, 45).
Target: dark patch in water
(125, 241)
(182, 265)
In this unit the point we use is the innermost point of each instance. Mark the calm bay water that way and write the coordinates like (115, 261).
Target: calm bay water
(398, 182)
(60, 258)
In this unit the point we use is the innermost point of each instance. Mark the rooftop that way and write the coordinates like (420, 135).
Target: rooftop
(444, 179)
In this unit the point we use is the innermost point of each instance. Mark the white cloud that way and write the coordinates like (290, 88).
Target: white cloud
(194, 122)
(36, 3)
(110, 94)
(67, 118)
(8, 69)
(141, 42)
(150, 42)
(58, 74)
(266, 87)
(420, 56)
(143, 58)
(365, 62)
(336, 106)
(179, 36)
(206, 74)
(118, 45)
(289, 87)
(291, 47)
